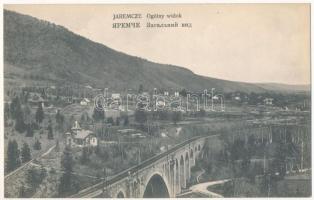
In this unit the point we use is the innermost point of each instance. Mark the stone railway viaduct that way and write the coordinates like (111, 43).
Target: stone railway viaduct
(167, 174)
(164, 175)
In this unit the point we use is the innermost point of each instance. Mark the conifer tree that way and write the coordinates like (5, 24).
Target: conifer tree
(39, 114)
(37, 145)
(13, 156)
(50, 132)
(26, 153)
(29, 131)
(67, 184)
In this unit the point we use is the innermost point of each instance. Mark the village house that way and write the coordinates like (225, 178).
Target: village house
(115, 96)
(79, 137)
(35, 99)
(268, 101)
(176, 94)
(85, 102)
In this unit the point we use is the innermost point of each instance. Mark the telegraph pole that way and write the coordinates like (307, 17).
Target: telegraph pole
(268, 192)
(139, 154)
(212, 98)
(302, 155)
(104, 189)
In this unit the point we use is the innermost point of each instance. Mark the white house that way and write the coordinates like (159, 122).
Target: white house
(237, 98)
(35, 99)
(85, 102)
(268, 101)
(215, 97)
(79, 137)
(115, 96)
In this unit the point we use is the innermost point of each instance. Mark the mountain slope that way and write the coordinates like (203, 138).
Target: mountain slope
(284, 87)
(38, 50)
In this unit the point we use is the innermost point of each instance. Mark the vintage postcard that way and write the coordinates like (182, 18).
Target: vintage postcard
(140, 101)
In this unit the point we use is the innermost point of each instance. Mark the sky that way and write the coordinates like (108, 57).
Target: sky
(239, 42)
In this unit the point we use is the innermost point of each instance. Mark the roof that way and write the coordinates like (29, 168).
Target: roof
(76, 126)
(86, 100)
(126, 130)
(82, 134)
(36, 98)
(115, 95)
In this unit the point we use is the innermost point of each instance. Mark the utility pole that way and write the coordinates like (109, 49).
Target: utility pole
(212, 98)
(139, 154)
(264, 163)
(285, 129)
(104, 189)
(302, 155)
(268, 192)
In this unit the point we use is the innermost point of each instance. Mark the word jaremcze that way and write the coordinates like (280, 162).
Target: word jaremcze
(127, 16)
(127, 24)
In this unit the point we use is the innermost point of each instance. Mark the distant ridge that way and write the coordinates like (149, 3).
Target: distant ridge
(40, 52)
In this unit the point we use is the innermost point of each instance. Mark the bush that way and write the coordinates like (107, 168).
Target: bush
(37, 145)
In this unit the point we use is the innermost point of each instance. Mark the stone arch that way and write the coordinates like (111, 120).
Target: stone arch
(192, 161)
(187, 166)
(121, 194)
(182, 172)
(172, 176)
(177, 175)
(191, 153)
(156, 187)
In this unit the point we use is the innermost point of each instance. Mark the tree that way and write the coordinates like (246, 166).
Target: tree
(246, 162)
(39, 114)
(59, 120)
(183, 92)
(6, 113)
(98, 114)
(15, 107)
(26, 153)
(19, 124)
(228, 189)
(67, 184)
(176, 116)
(43, 172)
(110, 121)
(268, 183)
(126, 120)
(27, 112)
(70, 122)
(252, 144)
(202, 112)
(37, 145)
(34, 177)
(163, 114)
(22, 192)
(140, 89)
(17, 114)
(57, 148)
(118, 121)
(13, 156)
(29, 131)
(50, 132)
(280, 157)
(85, 155)
(140, 116)
(97, 150)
